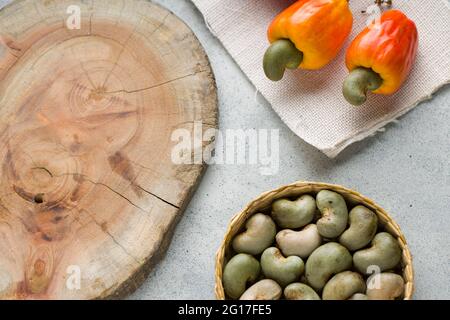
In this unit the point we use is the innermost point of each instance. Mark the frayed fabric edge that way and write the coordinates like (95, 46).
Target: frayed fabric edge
(334, 151)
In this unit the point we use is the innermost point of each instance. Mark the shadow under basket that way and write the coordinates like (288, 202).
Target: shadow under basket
(353, 198)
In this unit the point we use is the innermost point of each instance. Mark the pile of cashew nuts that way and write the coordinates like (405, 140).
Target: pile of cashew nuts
(312, 249)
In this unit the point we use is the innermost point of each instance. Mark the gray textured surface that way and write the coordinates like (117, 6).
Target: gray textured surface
(406, 170)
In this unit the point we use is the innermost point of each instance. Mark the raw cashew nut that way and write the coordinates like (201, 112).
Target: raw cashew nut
(363, 227)
(259, 235)
(325, 261)
(359, 296)
(281, 55)
(242, 268)
(358, 82)
(343, 286)
(294, 214)
(299, 243)
(334, 214)
(282, 270)
(384, 254)
(300, 291)
(388, 286)
(266, 289)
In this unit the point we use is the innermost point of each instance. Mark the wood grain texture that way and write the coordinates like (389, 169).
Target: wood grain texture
(86, 117)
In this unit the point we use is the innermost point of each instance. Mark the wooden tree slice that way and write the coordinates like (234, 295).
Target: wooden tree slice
(87, 184)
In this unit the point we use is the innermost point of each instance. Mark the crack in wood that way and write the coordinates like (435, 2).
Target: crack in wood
(2, 205)
(87, 75)
(163, 22)
(90, 23)
(106, 231)
(23, 194)
(156, 85)
(158, 197)
(116, 61)
(43, 169)
(144, 167)
(86, 178)
(121, 195)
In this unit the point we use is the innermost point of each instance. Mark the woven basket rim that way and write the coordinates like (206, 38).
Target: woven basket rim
(240, 218)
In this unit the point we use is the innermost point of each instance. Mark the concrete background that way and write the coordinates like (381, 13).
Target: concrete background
(406, 170)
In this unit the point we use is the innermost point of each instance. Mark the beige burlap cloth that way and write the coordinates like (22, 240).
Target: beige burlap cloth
(311, 102)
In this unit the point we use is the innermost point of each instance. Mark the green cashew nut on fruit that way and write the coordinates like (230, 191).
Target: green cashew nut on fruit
(300, 291)
(283, 270)
(343, 286)
(363, 227)
(385, 286)
(324, 262)
(358, 82)
(240, 270)
(294, 214)
(281, 55)
(266, 289)
(334, 214)
(299, 243)
(384, 254)
(259, 235)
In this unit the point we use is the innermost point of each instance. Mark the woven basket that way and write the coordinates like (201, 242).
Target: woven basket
(263, 203)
